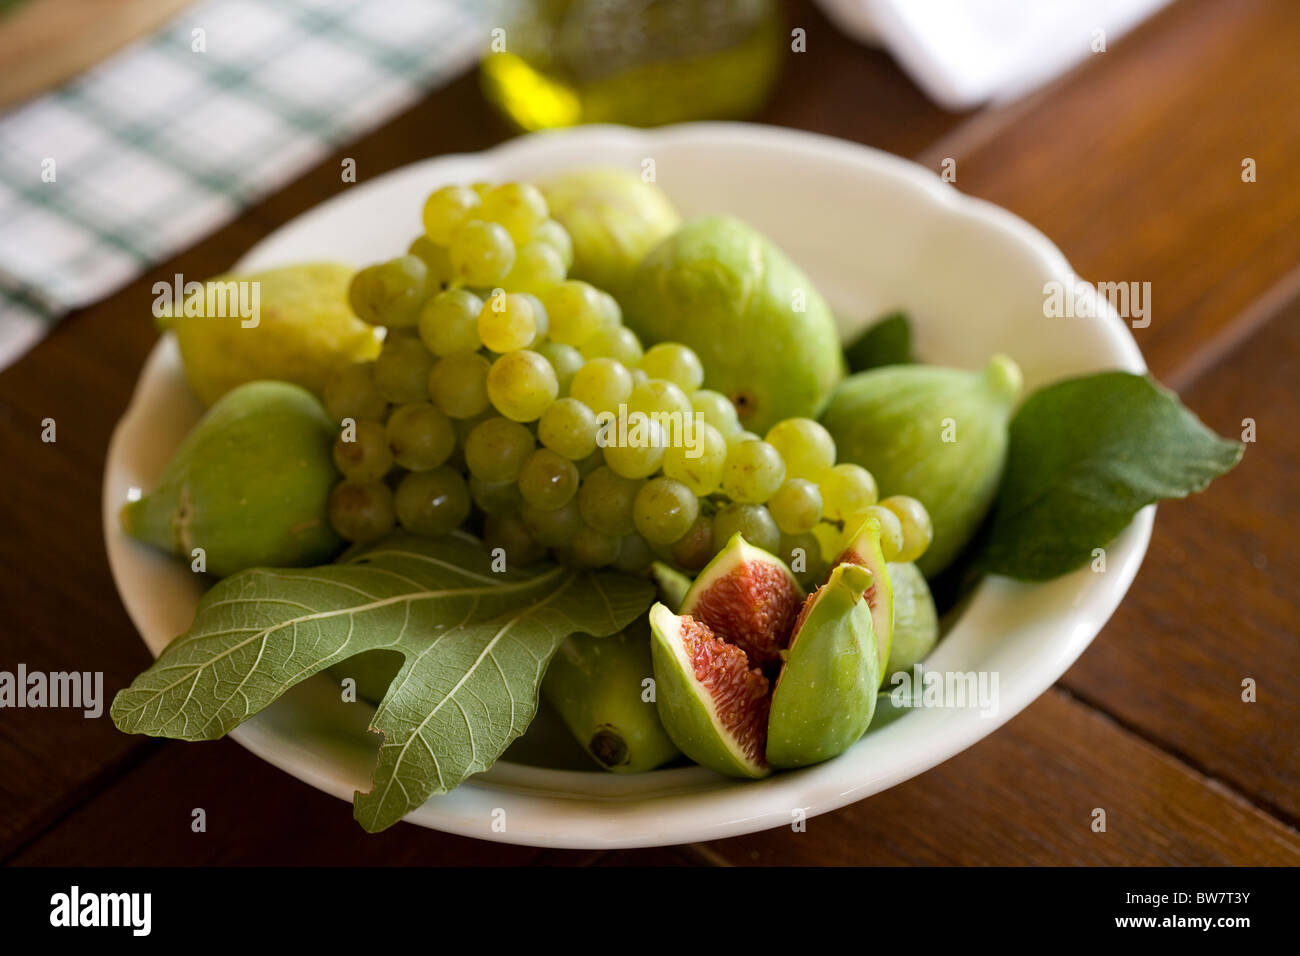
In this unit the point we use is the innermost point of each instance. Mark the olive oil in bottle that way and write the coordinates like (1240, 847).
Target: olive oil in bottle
(639, 62)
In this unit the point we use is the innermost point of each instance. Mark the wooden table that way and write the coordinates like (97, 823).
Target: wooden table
(1132, 164)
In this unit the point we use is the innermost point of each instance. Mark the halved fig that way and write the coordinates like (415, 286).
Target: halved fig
(863, 549)
(748, 598)
(825, 695)
(712, 703)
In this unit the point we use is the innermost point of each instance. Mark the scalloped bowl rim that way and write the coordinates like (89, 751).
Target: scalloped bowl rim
(579, 809)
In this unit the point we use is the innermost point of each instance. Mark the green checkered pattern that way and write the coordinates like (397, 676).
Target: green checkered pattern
(169, 139)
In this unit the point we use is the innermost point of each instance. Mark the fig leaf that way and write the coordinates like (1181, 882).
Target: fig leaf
(887, 342)
(1085, 455)
(476, 644)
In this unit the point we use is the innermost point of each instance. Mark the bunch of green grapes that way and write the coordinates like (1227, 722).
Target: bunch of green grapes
(492, 398)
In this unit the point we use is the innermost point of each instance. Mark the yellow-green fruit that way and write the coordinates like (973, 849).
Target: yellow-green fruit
(249, 485)
(765, 336)
(598, 686)
(304, 330)
(613, 219)
(936, 434)
(916, 624)
(825, 696)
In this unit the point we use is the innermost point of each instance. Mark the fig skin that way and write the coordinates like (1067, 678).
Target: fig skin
(614, 218)
(916, 623)
(726, 291)
(594, 683)
(825, 696)
(862, 546)
(893, 421)
(250, 485)
(687, 709)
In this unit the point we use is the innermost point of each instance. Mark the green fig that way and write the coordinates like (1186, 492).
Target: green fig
(765, 336)
(249, 485)
(863, 548)
(825, 695)
(916, 624)
(597, 686)
(613, 218)
(936, 434)
(712, 703)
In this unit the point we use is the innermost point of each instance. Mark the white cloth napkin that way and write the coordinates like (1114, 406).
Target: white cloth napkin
(967, 52)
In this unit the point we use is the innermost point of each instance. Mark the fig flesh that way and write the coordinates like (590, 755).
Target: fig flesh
(748, 598)
(712, 703)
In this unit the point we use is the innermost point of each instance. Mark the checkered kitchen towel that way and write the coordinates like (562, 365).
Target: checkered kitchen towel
(164, 143)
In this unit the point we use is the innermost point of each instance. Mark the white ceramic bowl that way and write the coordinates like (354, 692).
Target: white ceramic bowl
(874, 232)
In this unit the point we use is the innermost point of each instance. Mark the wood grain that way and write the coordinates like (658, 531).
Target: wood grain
(1216, 601)
(1027, 795)
(1133, 166)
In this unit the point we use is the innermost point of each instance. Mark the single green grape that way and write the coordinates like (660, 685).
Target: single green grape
(752, 473)
(538, 267)
(495, 498)
(717, 411)
(432, 502)
(496, 449)
(508, 533)
(602, 385)
(676, 363)
(554, 528)
(519, 207)
(891, 529)
(361, 511)
(548, 480)
(507, 322)
(565, 359)
(458, 385)
(555, 235)
(918, 530)
(482, 252)
(569, 428)
(694, 549)
(350, 392)
(698, 464)
(592, 549)
(658, 395)
(664, 510)
(365, 457)
(446, 210)
(401, 370)
(420, 436)
(736, 438)
(578, 312)
(807, 447)
(753, 522)
(522, 385)
(796, 506)
(617, 342)
(390, 293)
(449, 323)
(541, 320)
(436, 259)
(641, 455)
(634, 554)
(846, 490)
(606, 499)
(613, 312)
